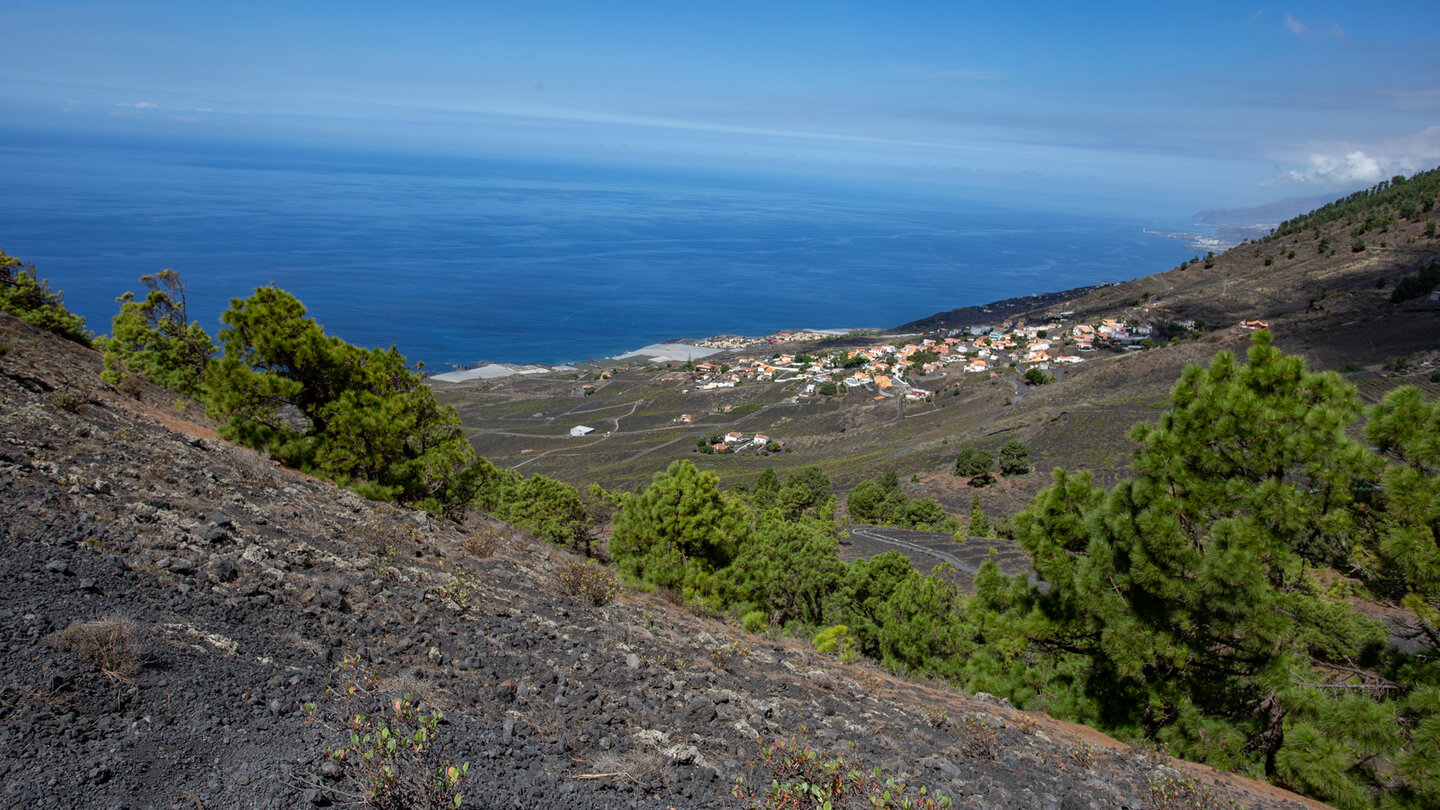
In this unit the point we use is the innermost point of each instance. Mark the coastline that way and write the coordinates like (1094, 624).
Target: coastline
(681, 350)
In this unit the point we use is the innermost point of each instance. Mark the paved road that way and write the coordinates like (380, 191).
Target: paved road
(875, 534)
(1011, 561)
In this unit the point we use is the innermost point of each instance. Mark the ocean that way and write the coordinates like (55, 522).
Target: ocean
(462, 260)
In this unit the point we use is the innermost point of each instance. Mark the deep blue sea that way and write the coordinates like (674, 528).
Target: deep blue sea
(458, 260)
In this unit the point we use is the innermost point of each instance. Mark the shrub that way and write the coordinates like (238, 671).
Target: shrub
(66, 400)
(1083, 754)
(836, 639)
(1037, 377)
(755, 622)
(588, 582)
(113, 645)
(481, 543)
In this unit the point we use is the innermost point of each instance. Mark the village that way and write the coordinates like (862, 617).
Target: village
(908, 369)
(898, 369)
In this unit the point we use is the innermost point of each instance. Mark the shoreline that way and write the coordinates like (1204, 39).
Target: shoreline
(679, 350)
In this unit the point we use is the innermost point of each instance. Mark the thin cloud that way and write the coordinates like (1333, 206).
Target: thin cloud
(139, 105)
(1327, 28)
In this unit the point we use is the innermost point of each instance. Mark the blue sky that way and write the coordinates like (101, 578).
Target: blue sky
(1219, 103)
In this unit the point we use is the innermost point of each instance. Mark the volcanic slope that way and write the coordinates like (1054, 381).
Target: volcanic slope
(169, 604)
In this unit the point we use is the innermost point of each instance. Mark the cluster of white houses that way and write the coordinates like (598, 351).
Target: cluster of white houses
(888, 369)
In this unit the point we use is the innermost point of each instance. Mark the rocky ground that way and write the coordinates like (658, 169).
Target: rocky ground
(170, 603)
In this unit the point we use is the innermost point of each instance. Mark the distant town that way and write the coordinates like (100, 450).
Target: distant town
(899, 368)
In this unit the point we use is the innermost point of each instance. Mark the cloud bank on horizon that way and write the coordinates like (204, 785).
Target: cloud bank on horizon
(1219, 103)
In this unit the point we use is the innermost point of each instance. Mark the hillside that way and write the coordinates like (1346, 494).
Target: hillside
(170, 602)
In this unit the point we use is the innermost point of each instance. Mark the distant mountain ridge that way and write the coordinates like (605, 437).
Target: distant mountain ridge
(1269, 213)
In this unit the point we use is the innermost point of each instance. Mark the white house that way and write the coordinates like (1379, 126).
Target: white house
(581, 430)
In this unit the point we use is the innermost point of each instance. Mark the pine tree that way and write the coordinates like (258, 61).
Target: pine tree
(358, 416)
(156, 339)
(1014, 458)
(27, 296)
(679, 531)
(975, 463)
(788, 568)
(1190, 588)
(979, 523)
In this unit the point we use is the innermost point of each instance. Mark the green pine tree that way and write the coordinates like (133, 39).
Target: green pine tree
(679, 531)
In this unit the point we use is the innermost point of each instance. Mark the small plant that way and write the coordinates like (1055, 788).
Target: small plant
(936, 717)
(1181, 794)
(1027, 724)
(589, 582)
(66, 400)
(1151, 750)
(1083, 754)
(755, 622)
(382, 559)
(481, 543)
(113, 645)
(978, 737)
(803, 778)
(457, 588)
(390, 761)
(722, 654)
